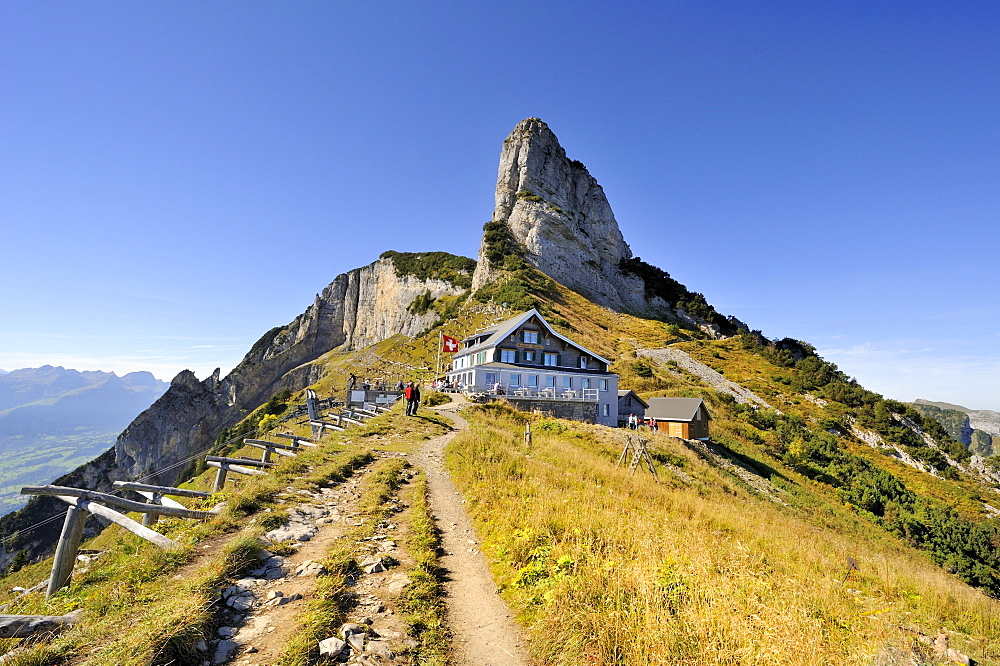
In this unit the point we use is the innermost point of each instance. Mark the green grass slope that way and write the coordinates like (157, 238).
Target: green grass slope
(707, 568)
(837, 527)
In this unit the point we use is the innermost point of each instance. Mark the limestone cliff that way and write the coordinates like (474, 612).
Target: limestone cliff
(358, 308)
(559, 213)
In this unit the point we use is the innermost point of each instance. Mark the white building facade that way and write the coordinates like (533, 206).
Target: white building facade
(526, 361)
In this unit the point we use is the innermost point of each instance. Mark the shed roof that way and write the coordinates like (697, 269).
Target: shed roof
(674, 409)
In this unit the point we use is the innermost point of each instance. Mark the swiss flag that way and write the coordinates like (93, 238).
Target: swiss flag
(449, 345)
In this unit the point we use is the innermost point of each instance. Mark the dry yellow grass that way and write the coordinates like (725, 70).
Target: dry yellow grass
(608, 568)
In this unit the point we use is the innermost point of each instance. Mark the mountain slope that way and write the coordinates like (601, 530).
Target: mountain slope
(161, 444)
(834, 526)
(977, 429)
(53, 420)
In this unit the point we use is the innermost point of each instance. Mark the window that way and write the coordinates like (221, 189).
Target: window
(533, 381)
(508, 356)
(491, 378)
(585, 382)
(583, 362)
(550, 381)
(480, 358)
(604, 385)
(550, 359)
(605, 410)
(515, 380)
(531, 337)
(567, 382)
(529, 356)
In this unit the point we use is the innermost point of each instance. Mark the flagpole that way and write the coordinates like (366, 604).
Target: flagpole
(437, 367)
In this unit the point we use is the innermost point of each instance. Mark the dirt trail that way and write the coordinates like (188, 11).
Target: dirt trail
(485, 633)
(262, 609)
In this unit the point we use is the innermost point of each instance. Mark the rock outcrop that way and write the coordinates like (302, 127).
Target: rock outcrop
(558, 212)
(978, 429)
(357, 309)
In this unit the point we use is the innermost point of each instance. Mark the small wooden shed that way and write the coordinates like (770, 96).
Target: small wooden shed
(630, 403)
(680, 417)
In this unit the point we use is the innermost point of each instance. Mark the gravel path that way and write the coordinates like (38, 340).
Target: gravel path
(484, 630)
(706, 374)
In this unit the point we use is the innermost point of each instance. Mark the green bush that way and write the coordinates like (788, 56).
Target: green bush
(499, 243)
(421, 304)
(451, 268)
(267, 423)
(435, 398)
(658, 283)
(550, 426)
(642, 368)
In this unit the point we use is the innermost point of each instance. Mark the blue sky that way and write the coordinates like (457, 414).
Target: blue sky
(178, 178)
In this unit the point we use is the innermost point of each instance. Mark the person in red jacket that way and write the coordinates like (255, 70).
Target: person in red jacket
(412, 395)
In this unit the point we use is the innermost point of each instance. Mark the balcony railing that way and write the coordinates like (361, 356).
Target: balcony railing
(534, 393)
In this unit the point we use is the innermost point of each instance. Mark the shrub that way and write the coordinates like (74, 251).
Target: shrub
(451, 268)
(642, 368)
(434, 398)
(551, 426)
(499, 243)
(658, 283)
(266, 423)
(421, 304)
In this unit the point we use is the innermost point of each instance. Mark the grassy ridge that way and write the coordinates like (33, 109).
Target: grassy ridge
(135, 612)
(692, 570)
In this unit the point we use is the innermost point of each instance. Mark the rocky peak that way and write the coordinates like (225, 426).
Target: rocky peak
(558, 212)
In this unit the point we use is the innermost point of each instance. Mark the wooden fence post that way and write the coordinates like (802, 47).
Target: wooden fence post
(149, 519)
(66, 549)
(220, 480)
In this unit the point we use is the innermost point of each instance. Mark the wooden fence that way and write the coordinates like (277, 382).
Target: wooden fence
(157, 502)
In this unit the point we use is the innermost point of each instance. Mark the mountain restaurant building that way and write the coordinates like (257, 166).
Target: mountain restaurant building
(686, 418)
(524, 360)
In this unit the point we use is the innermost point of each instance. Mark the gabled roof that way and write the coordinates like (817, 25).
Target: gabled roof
(622, 394)
(501, 331)
(674, 409)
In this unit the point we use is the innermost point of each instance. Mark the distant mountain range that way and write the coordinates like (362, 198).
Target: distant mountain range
(53, 419)
(978, 429)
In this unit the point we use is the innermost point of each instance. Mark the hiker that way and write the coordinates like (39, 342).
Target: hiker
(412, 394)
(352, 381)
(399, 385)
